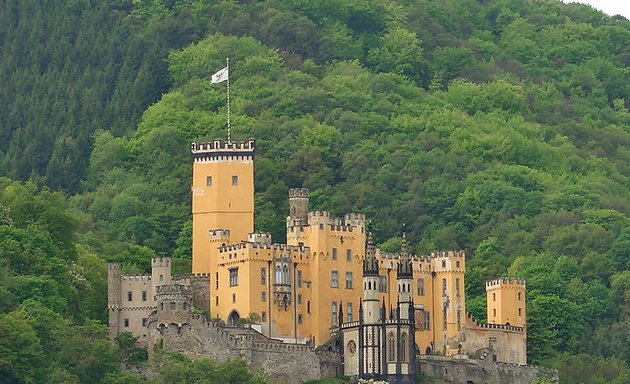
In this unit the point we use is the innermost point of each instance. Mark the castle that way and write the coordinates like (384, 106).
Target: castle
(328, 284)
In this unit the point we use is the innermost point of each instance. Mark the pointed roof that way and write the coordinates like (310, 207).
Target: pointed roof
(370, 264)
(405, 270)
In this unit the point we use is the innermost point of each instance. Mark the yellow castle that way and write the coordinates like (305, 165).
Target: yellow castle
(303, 290)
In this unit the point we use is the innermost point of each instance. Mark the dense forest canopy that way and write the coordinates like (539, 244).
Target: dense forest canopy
(499, 127)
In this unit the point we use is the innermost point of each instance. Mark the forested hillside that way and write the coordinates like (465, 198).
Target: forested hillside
(500, 127)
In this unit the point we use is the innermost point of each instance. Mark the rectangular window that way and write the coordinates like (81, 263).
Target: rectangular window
(299, 299)
(185, 306)
(233, 298)
(443, 263)
(457, 286)
(234, 180)
(519, 296)
(263, 296)
(457, 263)
(349, 312)
(263, 316)
(382, 283)
(334, 279)
(299, 319)
(209, 181)
(421, 287)
(334, 254)
(173, 305)
(216, 300)
(161, 277)
(308, 306)
(144, 295)
(321, 226)
(427, 321)
(443, 287)
(494, 312)
(335, 319)
(348, 280)
(299, 279)
(144, 321)
(126, 321)
(233, 277)
(349, 255)
(263, 276)
(216, 279)
(520, 312)
(129, 296)
(494, 297)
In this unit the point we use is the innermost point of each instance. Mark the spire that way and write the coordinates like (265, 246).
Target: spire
(370, 265)
(404, 262)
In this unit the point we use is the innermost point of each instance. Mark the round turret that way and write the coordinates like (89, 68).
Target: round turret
(173, 304)
(298, 206)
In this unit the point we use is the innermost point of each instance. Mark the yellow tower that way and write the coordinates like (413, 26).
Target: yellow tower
(506, 301)
(222, 199)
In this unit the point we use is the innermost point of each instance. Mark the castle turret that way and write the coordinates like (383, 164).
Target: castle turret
(506, 301)
(160, 272)
(404, 279)
(173, 304)
(298, 206)
(370, 305)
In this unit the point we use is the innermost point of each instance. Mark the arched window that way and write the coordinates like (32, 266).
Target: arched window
(278, 274)
(285, 274)
(403, 348)
(391, 347)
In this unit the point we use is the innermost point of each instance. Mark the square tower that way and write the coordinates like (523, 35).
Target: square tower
(506, 301)
(222, 198)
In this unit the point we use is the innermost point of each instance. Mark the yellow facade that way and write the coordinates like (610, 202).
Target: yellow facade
(302, 289)
(222, 198)
(506, 302)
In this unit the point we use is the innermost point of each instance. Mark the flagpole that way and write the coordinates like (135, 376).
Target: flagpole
(229, 136)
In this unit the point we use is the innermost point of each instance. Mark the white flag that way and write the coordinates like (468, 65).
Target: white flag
(220, 76)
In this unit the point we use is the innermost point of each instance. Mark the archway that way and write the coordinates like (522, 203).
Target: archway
(233, 318)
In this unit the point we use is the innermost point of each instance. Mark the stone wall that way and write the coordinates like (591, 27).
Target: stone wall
(284, 363)
(469, 371)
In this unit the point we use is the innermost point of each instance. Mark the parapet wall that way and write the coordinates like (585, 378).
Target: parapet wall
(505, 282)
(217, 150)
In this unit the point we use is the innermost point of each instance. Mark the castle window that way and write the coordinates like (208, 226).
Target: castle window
(335, 319)
(161, 277)
(334, 279)
(403, 348)
(144, 321)
(263, 296)
(494, 312)
(144, 295)
(173, 305)
(299, 299)
(427, 321)
(348, 280)
(349, 255)
(349, 312)
(209, 181)
(126, 321)
(216, 300)
(161, 306)
(285, 274)
(334, 254)
(185, 306)
(520, 312)
(308, 306)
(382, 283)
(443, 287)
(129, 296)
(299, 319)
(443, 263)
(421, 287)
(457, 286)
(519, 296)
(233, 298)
(459, 320)
(457, 263)
(391, 347)
(233, 277)
(299, 279)
(235, 180)
(263, 316)
(263, 276)
(216, 278)
(494, 297)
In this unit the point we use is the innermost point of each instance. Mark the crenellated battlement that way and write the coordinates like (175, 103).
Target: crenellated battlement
(299, 193)
(174, 289)
(219, 234)
(505, 282)
(217, 146)
(135, 278)
(319, 216)
(354, 219)
(396, 257)
(115, 266)
(160, 262)
(504, 327)
(259, 238)
(449, 254)
(245, 245)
